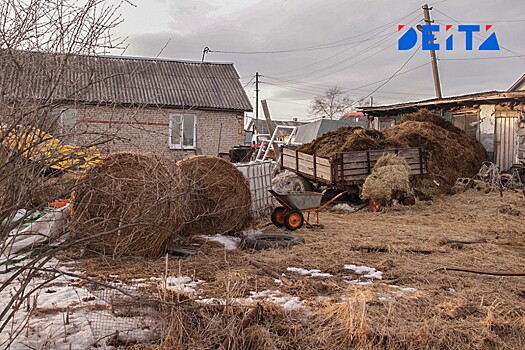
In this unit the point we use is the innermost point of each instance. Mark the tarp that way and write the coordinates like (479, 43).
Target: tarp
(309, 132)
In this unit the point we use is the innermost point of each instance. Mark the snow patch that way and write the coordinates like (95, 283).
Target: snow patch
(230, 243)
(311, 273)
(183, 284)
(286, 301)
(368, 274)
(344, 207)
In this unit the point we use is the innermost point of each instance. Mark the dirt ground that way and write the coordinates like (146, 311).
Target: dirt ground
(416, 304)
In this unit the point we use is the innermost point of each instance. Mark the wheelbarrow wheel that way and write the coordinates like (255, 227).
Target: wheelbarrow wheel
(293, 219)
(278, 216)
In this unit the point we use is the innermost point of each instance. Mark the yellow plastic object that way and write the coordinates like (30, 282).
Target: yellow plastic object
(39, 146)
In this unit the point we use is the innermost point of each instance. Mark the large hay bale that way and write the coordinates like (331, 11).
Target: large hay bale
(125, 205)
(390, 175)
(220, 198)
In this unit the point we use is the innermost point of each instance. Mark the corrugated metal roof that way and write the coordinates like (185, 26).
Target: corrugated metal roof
(475, 98)
(136, 81)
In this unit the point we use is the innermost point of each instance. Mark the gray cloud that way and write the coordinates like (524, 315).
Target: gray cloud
(278, 25)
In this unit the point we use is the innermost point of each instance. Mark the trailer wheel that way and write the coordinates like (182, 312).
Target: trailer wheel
(261, 241)
(278, 215)
(293, 219)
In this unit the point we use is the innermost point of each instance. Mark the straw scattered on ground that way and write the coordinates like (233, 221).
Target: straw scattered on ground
(415, 305)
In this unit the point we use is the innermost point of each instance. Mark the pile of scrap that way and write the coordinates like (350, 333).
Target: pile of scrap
(450, 152)
(135, 204)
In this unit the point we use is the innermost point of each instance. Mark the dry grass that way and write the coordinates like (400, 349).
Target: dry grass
(449, 310)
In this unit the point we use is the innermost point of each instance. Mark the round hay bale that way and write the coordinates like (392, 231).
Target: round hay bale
(290, 182)
(219, 195)
(125, 205)
(385, 181)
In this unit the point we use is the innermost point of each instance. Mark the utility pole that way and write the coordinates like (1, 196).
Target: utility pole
(433, 60)
(256, 101)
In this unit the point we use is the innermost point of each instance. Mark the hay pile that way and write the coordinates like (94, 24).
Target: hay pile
(451, 153)
(124, 206)
(345, 139)
(220, 198)
(389, 177)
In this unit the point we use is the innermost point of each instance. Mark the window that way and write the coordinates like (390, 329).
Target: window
(182, 131)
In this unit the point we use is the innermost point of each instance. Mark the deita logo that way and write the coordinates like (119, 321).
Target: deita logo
(409, 39)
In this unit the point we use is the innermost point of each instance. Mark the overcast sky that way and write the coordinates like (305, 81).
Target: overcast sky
(347, 43)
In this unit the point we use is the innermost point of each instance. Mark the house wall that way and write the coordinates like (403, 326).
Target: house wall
(115, 128)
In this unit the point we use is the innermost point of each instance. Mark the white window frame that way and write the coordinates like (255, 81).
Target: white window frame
(180, 145)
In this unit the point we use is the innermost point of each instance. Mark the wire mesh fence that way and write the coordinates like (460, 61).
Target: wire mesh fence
(122, 313)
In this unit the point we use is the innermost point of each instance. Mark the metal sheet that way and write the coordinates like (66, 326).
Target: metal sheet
(506, 138)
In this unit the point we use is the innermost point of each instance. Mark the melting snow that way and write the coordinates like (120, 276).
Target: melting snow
(343, 207)
(286, 301)
(311, 273)
(230, 243)
(368, 274)
(370, 271)
(183, 284)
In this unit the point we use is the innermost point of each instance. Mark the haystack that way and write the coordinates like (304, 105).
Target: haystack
(125, 205)
(450, 154)
(347, 139)
(390, 176)
(220, 198)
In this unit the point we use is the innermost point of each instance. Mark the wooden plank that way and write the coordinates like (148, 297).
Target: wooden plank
(307, 157)
(376, 154)
(363, 165)
(413, 169)
(307, 168)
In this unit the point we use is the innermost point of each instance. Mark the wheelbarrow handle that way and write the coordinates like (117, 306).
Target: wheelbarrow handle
(330, 201)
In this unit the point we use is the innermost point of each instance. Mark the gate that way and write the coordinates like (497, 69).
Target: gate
(506, 138)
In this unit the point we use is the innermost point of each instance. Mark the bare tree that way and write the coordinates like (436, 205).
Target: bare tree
(41, 42)
(332, 104)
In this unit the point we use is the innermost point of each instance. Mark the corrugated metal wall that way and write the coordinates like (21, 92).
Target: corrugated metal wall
(506, 138)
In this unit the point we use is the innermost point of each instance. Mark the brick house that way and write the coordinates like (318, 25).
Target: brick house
(172, 108)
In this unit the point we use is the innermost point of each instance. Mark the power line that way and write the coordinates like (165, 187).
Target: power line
(480, 58)
(345, 50)
(478, 34)
(393, 75)
(346, 60)
(314, 47)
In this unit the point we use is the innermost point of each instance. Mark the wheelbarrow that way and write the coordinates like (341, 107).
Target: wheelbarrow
(290, 214)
